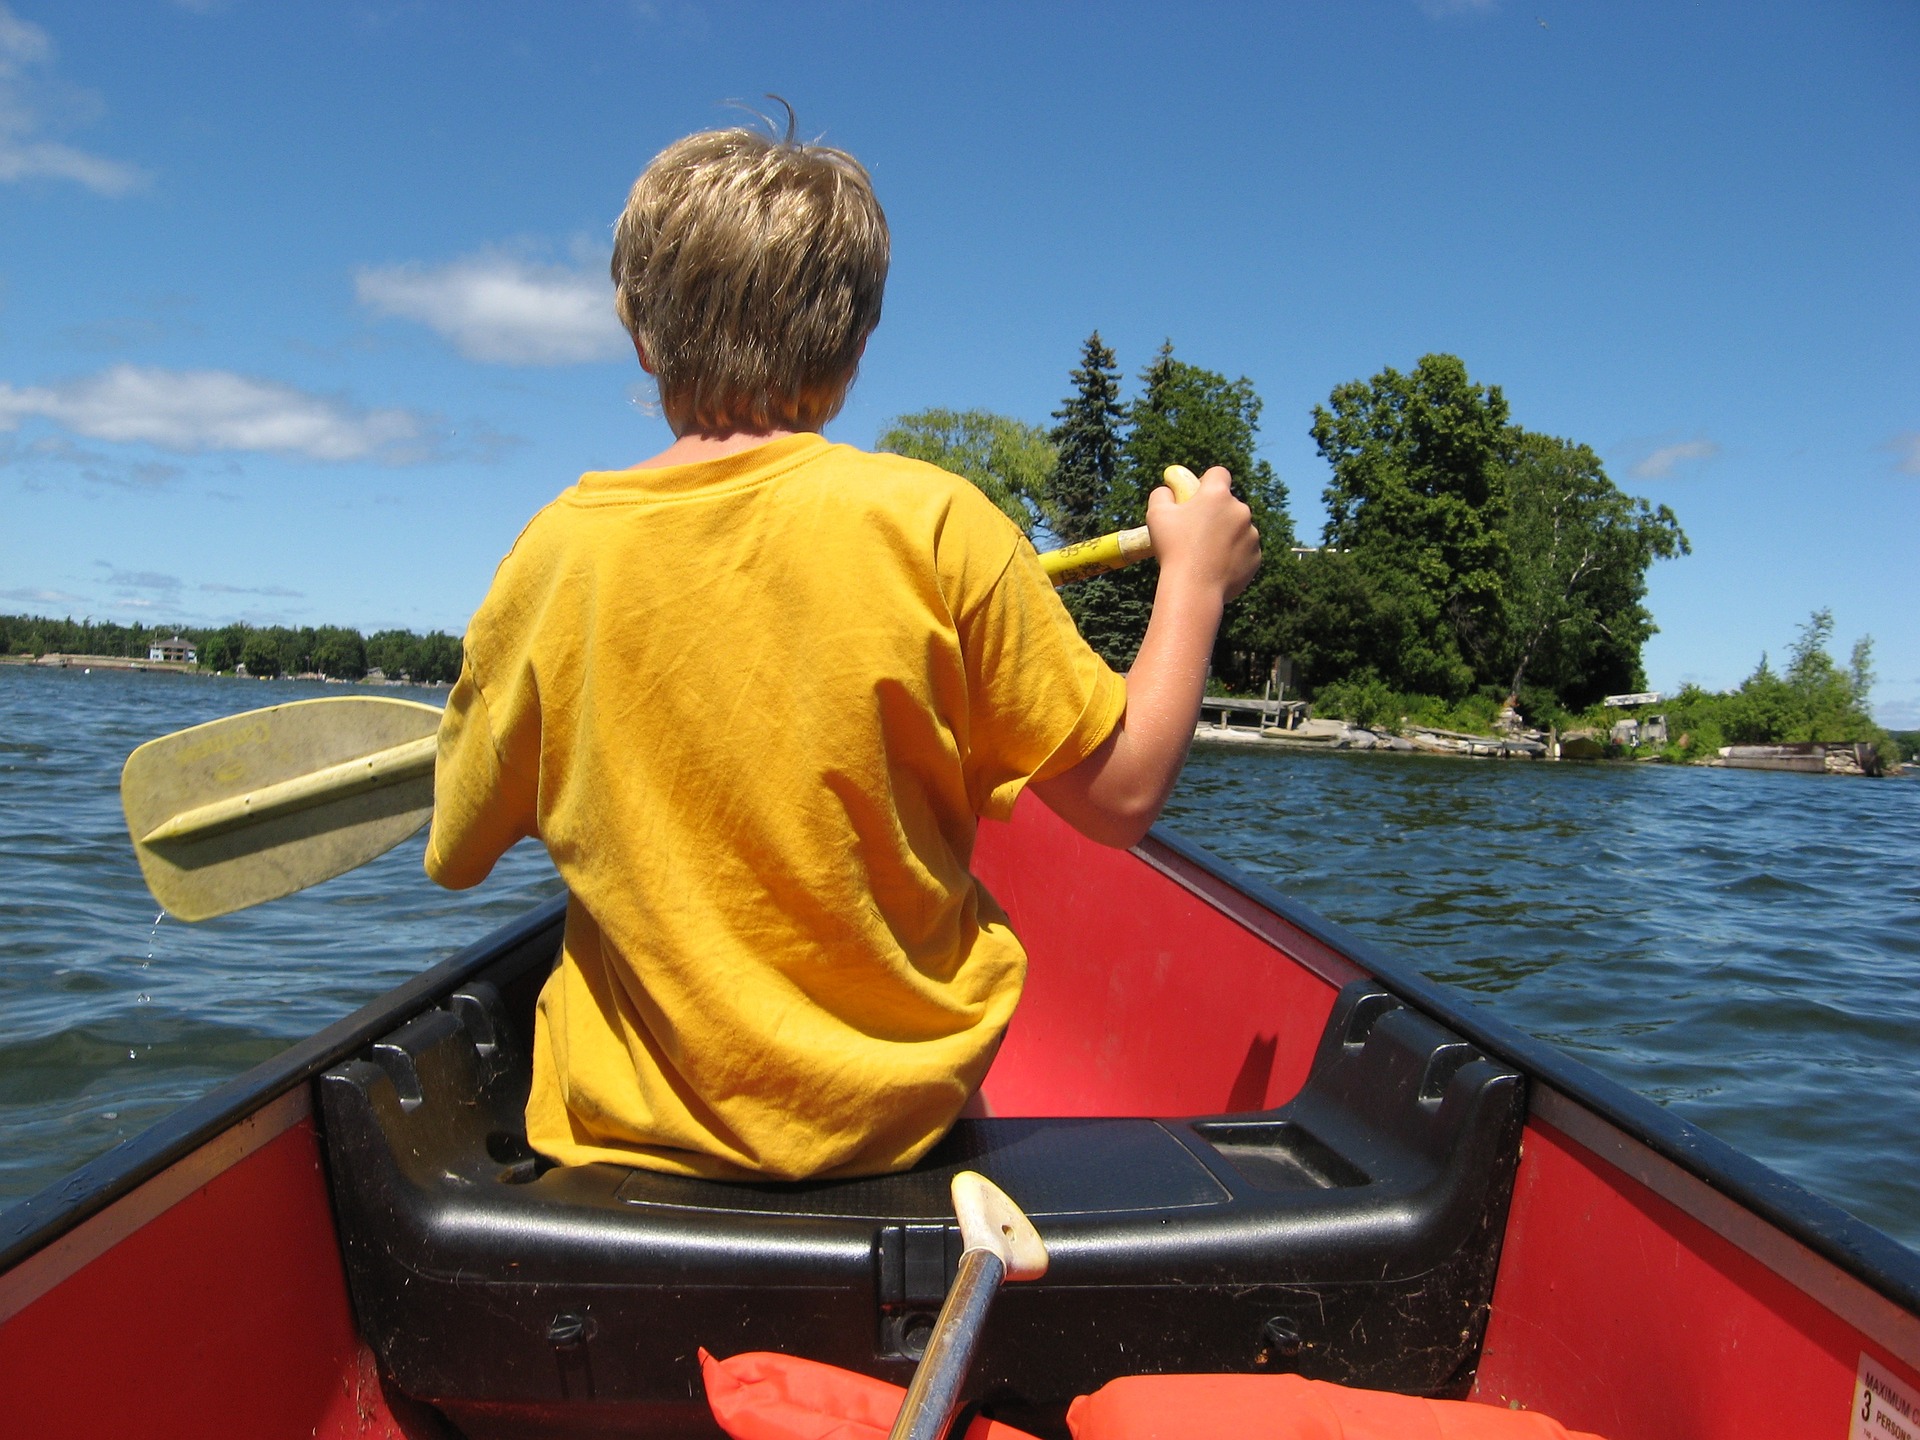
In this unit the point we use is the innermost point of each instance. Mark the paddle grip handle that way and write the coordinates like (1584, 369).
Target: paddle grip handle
(1093, 557)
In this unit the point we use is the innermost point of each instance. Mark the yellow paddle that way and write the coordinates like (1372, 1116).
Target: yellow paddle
(247, 809)
(1115, 551)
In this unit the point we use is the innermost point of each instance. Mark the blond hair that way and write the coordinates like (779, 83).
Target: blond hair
(750, 269)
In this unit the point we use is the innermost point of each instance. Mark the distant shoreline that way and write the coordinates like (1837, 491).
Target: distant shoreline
(100, 662)
(182, 667)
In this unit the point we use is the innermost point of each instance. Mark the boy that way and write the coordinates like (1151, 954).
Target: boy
(754, 694)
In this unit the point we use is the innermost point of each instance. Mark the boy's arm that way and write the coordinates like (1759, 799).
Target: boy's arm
(481, 806)
(1209, 551)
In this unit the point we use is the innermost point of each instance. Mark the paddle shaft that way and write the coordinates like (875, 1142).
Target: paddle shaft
(392, 766)
(934, 1395)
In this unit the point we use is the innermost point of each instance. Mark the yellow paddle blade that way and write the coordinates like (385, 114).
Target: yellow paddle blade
(256, 806)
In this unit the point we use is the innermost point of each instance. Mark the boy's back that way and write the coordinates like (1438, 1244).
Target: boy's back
(753, 707)
(754, 694)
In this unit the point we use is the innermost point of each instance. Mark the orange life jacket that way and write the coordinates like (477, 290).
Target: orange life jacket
(762, 1396)
(1286, 1407)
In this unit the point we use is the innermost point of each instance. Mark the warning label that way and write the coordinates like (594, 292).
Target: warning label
(1883, 1408)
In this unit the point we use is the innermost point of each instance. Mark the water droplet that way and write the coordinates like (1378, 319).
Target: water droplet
(145, 999)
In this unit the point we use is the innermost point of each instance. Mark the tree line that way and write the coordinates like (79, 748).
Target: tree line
(1466, 561)
(334, 651)
(1463, 555)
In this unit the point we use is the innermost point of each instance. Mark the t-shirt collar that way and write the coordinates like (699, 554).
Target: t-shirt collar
(761, 462)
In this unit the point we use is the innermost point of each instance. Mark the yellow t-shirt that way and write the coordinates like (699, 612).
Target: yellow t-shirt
(754, 706)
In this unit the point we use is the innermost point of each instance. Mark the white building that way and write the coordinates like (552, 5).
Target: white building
(174, 649)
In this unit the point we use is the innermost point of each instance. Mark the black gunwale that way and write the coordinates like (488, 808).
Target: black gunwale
(1875, 1259)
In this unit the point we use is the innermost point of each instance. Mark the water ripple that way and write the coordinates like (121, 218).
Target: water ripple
(1743, 947)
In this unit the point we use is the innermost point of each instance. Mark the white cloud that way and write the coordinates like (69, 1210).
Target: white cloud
(46, 454)
(503, 310)
(1659, 464)
(192, 411)
(137, 579)
(277, 592)
(34, 596)
(26, 88)
(1906, 451)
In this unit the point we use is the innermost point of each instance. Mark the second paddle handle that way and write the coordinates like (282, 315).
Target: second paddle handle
(1115, 551)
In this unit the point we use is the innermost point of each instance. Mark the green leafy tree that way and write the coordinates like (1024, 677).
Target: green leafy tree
(222, 649)
(391, 652)
(261, 655)
(437, 661)
(1009, 460)
(294, 645)
(1418, 495)
(1342, 621)
(339, 653)
(1816, 699)
(1576, 553)
(431, 659)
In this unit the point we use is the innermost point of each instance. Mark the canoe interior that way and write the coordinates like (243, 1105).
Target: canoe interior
(1651, 1283)
(1352, 1234)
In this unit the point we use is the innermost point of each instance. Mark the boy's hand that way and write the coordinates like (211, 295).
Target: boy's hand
(1208, 540)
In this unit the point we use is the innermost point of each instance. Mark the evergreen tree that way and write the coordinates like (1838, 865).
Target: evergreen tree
(1087, 445)
(1080, 492)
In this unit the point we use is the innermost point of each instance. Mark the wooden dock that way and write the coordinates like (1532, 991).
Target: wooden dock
(1226, 712)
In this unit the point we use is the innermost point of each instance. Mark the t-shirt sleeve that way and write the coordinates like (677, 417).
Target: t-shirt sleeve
(482, 804)
(1040, 699)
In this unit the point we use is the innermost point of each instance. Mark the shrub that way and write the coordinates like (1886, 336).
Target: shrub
(1367, 702)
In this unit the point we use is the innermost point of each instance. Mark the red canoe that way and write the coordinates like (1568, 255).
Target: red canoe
(1252, 1142)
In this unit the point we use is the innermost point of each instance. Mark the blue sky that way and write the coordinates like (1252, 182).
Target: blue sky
(303, 306)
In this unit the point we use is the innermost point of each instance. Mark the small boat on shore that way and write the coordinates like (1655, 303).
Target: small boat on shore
(1252, 1143)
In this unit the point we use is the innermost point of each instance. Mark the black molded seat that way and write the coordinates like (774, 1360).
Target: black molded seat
(1350, 1235)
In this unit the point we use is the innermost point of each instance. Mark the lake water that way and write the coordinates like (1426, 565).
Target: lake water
(1742, 947)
